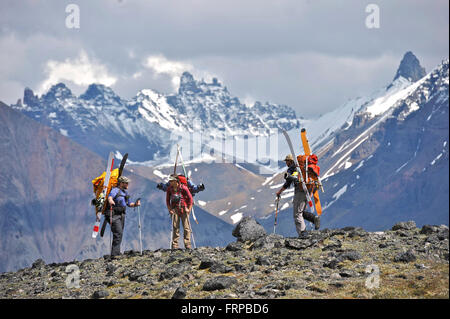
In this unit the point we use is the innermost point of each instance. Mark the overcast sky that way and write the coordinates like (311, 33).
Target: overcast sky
(311, 55)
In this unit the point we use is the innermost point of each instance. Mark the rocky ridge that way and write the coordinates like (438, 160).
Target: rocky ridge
(404, 262)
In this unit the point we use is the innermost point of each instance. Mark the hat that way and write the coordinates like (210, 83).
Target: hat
(289, 158)
(123, 179)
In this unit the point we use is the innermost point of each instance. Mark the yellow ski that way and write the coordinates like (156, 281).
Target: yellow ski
(316, 191)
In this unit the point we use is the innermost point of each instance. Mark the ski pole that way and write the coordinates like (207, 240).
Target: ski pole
(139, 225)
(111, 235)
(192, 232)
(276, 214)
(140, 228)
(171, 231)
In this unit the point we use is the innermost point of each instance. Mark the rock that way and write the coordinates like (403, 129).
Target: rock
(300, 243)
(405, 257)
(206, 263)
(429, 229)
(239, 268)
(235, 246)
(404, 226)
(218, 283)
(135, 275)
(332, 246)
(39, 263)
(172, 272)
(350, 255)
(248, 229)
(268, 242)
(332, 263)
(263, 261)
(180, 293)
(316, 289)
(347, 274)
(218, 267)
(335, 276)
(100, 294)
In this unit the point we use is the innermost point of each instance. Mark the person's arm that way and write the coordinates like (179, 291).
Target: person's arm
(136, 203)
(188, 199)
(168, 194)
(111, 196)
(282, 189)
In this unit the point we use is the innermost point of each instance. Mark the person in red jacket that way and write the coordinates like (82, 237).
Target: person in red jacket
(179, 203)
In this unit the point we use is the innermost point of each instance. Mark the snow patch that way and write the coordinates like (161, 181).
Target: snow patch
(437, 158)
(159, 174)
(359, 166)
(63, 132)
(201, 203)
(336, 196)
(236, 217)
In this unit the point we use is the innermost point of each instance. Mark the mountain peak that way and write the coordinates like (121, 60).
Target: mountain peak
(410, 68)
(188, 84)
(29, 98)
(95, 90)
(59, 90)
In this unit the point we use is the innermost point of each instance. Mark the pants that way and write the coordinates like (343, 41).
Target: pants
(176, 230)
(118, 224)
(300, 213)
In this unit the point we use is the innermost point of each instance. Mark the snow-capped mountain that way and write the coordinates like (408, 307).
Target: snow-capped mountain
(390, 159)
(361, 109)
(145, 125)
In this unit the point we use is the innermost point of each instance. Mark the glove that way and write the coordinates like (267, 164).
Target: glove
(160, 186)
(201, 187)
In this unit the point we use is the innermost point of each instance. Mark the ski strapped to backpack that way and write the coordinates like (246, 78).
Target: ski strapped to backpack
(181, 177)
(300, 175)
(314, 178)
(100, 191)
(102, 187)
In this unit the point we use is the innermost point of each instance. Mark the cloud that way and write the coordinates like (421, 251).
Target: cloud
(81, 71)
(160, 65)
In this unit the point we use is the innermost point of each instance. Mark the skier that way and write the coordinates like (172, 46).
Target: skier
(118, 200)
(179, 203)
(300, 201)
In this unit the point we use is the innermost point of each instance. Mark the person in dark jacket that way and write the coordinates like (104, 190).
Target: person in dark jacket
(300, 201)
(118, 201)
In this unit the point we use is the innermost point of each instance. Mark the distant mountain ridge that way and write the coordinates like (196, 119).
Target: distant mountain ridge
(144, 124)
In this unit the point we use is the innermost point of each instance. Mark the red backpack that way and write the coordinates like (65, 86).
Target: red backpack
(183, 179)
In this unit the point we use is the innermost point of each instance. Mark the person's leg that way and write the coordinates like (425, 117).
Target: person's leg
(186, 231)
(117, 230)
(299, 206)
(175, 230)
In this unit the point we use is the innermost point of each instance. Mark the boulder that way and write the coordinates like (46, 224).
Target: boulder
(218, 283)
(248, 229)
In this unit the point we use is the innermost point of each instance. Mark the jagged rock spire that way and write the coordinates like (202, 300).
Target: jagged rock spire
(410, 68)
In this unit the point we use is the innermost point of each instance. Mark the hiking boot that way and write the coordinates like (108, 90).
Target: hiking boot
(303, 234)
(316, 222)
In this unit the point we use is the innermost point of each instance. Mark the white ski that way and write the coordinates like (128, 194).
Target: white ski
(109, 168)
(297, 166)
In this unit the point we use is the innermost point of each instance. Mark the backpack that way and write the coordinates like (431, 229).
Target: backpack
(183, 179)
(313, 169)
(98, 187)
